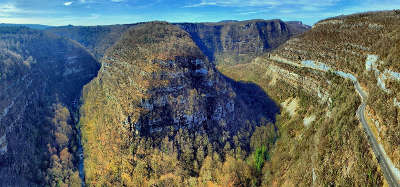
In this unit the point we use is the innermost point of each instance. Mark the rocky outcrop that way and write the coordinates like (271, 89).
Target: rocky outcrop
(238, 42)
(297, 27)
(365, 45)
(231, 41)
(96, 39)
(158, 82)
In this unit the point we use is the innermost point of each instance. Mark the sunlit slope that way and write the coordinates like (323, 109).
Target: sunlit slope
(366, 45)
(158, 97)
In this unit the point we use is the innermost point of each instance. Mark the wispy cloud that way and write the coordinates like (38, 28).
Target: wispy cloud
(201, 4)
(94, 16)
(9, 8)
(287, 11)
(234, 3)
(93, 12)
(371, 5)
(68, 3)
(248, 13)
(258, 3)
(311, 8)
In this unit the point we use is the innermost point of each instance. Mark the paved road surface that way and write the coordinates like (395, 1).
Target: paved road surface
(387, 172)
(390, 177)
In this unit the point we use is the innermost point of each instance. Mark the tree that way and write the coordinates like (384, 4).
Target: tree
(66, 158)
(209, 170)
(236, 173)
(260, 156)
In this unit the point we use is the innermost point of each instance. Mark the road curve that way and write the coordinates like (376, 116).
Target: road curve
(387, 172)
(378, 150)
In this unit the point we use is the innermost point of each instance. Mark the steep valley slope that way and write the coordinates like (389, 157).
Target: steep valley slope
(41, 78)
(173, 102)
(239, 41)
(158, 97)
(367, 46)
(96, 39)
(334, 144)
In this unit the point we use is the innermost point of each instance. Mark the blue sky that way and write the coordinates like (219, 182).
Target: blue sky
(102, 12)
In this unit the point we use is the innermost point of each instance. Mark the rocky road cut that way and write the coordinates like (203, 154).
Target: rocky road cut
(390, 172)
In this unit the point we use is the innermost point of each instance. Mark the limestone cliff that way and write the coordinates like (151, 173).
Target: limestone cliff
(96, 39)
(239, 42)
(366, 45)
(155, 83)
(234, 41)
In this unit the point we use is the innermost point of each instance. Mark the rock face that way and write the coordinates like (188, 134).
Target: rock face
(96, 39)
(239, 42)
(365, 45)
(40, 77)
(297, 27)
(234, 41)
(155, 82)
(150, 83)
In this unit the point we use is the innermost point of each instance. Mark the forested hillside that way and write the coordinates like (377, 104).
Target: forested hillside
(322, 142)
(160, 114)
(365, 45)
(41, 77)
(222, 42)
(233, 103)
(178, 101)
(96, 39)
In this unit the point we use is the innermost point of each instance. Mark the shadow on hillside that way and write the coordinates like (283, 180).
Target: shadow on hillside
(256, 100)
(42, 105)
(227, 106)
(210, 43)
(252, 107)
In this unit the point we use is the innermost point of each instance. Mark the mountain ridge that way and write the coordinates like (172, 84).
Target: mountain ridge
(111, 34)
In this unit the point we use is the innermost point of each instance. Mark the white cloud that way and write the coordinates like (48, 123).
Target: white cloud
(248, 13)
(201, 4)
(116, 1)
(68, 3)
(76, 20)
(9, 8)
(235, 3)
(311, 8)
(310, 4)
(94, 16)
(370, 5)
(286, 11)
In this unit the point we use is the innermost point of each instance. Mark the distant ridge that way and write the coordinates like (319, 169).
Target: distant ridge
(228, 21)
(32, 26)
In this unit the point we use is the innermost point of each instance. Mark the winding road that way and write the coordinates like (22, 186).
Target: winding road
(387, 172)
(384, 161)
